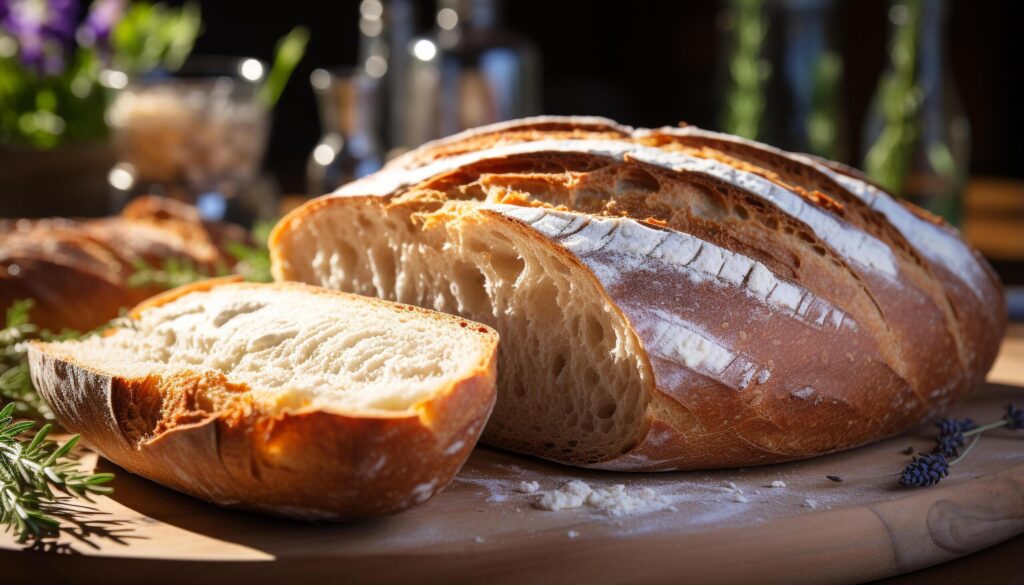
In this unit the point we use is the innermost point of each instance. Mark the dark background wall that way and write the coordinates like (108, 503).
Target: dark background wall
(646, 62)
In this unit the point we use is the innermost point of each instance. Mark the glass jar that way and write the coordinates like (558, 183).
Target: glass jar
(198, 137)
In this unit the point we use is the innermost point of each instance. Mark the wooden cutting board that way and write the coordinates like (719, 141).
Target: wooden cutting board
(482, 529)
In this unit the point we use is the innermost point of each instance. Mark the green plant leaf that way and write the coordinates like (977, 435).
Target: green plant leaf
(288, 53)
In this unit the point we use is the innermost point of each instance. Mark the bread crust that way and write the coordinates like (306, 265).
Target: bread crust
(77, 271)
(910, 340)
(310, 463)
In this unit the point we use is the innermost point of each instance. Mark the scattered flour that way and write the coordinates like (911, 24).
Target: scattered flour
(615, 500)
(572, 534)
(737, 493)
(571, 495)
(811, 503)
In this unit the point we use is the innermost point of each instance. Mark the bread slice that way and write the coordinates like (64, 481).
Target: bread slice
(663, 304)
(285, 398)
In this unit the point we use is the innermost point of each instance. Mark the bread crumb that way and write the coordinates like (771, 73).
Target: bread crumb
(810, 503)
(740, 498)
(570, 495)
(777, 484)
(615, 500)
(528, 487)
(572, 534)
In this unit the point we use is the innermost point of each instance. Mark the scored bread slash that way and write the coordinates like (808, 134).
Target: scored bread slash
(281, 398)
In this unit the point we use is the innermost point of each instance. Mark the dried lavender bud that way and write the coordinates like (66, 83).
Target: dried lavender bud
(951, 437)
(925, 470)
(952, 425)
(1014, 417)
(908, 451)
(949, 445)
(834, 477)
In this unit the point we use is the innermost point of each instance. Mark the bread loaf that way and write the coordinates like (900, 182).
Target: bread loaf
(280, 398)
(77, 272)
(670, 298)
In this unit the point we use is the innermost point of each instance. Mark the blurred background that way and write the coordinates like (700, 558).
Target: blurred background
(245, 108)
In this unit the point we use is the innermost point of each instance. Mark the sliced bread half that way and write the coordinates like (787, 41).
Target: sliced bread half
(286, 399)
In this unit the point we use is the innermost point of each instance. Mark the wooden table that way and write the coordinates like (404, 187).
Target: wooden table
(483, 529)
(1002, 563)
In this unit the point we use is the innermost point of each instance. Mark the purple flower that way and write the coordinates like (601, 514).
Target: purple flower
(43, 30)
(99, 23)
(925, 470)
(1014, 417)
(951, 435)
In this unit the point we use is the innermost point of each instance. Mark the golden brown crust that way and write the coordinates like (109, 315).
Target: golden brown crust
(309, 463)
(77, 271)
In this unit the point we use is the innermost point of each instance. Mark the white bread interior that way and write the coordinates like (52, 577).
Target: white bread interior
(573, 383)
(292, 349)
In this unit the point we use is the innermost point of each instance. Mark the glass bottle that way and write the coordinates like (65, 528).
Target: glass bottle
(349, 148)
(916, 133)
(386, 28)
(470, 71)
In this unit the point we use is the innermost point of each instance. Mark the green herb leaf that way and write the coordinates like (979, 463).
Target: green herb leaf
(289, 52)
(31, 471)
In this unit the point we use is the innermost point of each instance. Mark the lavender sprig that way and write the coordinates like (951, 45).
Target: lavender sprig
(951, 435)
(1014, 417)
(929, 469)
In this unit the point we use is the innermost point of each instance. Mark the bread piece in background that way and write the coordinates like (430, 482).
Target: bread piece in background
(669, 298)
(280, 398)
(78, 271)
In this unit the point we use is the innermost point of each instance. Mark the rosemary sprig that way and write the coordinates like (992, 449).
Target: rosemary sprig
(33, 472)
(15, 383)
(252, 262)
(173, 273)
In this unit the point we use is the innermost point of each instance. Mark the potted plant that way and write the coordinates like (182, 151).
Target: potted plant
(59, 64)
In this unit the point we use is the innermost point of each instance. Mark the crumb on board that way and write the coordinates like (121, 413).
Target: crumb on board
(615, 500)
(528, 487)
